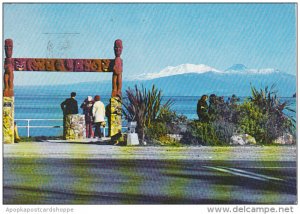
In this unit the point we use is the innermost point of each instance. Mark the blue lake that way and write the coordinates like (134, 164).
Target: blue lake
(47, 106)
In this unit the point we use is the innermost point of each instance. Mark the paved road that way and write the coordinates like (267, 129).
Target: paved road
(51, 179)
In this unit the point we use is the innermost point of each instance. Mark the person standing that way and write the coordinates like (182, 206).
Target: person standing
(98, 114)
(69, 106)
(202, 109)
(213, 107)
(107, 114)
(87, 107)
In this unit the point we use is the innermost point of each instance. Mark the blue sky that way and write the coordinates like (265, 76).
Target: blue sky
(154, 36)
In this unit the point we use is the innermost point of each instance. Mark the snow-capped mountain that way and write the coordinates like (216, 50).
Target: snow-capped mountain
(242, 69)
(181, 69)
(194, 80)
(237, 67)
(201, 69)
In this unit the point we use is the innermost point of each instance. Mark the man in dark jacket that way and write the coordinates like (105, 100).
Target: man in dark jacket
(70, 106)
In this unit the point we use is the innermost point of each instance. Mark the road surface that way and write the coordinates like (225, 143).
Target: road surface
(60, 173)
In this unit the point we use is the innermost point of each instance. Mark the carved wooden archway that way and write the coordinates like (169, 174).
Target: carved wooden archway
(61, 65)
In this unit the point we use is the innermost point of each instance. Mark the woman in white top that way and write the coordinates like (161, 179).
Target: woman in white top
(98, 114)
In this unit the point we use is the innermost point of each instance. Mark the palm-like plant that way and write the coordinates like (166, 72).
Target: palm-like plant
(134, 104)
(264, 98)
(268, 101)
(154, 104)
(269, 104)
(143, 106)
(135, 109)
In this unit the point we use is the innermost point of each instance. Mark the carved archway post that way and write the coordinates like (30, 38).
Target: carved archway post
(8, 94)
(115, 120)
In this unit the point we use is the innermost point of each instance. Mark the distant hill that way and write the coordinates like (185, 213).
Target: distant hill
(188, 80)
(225, 84)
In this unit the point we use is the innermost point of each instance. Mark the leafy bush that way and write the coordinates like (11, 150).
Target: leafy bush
(224, 111)
(167, 122)
(252, 121)
(224, 130)
(261, 116)
(157, 133)
(277, 126)
(156, 130)
(201, 133)
(168, 141)
(176, 124)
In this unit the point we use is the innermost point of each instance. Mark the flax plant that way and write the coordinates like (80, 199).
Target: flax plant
(144, 106)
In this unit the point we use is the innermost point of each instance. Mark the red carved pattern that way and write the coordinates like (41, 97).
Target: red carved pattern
(65, 65)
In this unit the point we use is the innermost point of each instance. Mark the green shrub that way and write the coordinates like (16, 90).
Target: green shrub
(167, 122)
(156, 130)
(261, 116)
(201, 133)
(176, 124)
(157, 134)
(168, 141)
(252, 121)
(224, 130)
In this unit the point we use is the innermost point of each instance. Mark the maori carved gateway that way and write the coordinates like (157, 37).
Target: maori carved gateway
(61, 65)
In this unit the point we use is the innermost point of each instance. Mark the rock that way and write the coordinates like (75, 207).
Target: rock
(75, 127)
(285, 139)
(242, 139)
(153, 141)
(132, 139)
(250, 140)
(177, 137)
(8, 120)
(237, 140)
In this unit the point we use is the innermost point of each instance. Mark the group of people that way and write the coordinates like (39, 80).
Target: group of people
(93, 109)
(216, 108)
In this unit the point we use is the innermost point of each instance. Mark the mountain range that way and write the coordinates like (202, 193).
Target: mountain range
(190, 80)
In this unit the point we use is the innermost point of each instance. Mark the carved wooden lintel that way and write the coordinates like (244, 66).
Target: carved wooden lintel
(63, 65)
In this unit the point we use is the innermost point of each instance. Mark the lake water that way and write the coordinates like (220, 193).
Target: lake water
(47, 106)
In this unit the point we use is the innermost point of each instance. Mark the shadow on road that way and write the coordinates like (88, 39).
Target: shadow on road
(118, 181)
